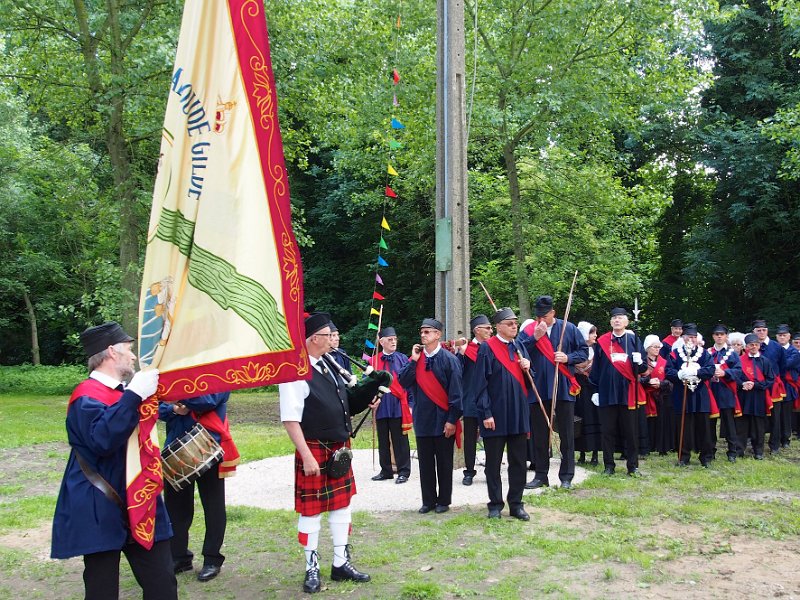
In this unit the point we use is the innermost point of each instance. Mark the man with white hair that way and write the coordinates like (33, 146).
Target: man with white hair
(658, 410)
(689, 367)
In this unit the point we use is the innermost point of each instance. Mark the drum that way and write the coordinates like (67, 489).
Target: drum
(577, 426)
(186, 458)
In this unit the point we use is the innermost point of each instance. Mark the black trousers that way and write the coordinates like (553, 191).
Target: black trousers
(775, 424)
(470, 444)
(180, 506)
(565, 417)
(516, 450)
(152, 569)
(435, 455)
(618, 421)
(754, 428)
(728, 430)
(391, 430)
(787, 411)
(696, 436)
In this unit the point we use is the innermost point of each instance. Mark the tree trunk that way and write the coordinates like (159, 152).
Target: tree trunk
(34, 329)
(517, 232)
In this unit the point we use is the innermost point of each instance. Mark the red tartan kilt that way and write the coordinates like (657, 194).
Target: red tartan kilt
(315, 494)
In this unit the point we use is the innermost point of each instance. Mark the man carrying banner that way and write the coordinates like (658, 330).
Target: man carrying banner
(502, 401)
(317, 416)
(468, 354)
(434, 377)
(615, 373)
(210, 411)
(92, 516)
(393, 417)
(555, 347)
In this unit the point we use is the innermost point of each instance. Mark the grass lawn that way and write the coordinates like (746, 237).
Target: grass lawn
(730, 531)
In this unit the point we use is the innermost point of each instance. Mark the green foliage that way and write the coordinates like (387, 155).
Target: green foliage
(43, 379)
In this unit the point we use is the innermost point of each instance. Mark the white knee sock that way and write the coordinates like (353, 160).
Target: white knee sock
(339, 521)
(308, 535)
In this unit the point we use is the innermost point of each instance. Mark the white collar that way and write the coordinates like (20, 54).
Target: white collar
(756, 355)
(500, 337)
(430, 354)
(766, 341)
(724, 347)
(106, 380)
(385, 353)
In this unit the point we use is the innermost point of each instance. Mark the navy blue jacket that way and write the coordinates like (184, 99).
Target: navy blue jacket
(469, 377)
(754, 402)
(499, 395)
(722, 393)
(429, 419)
(611, 386)
(85, 520)
(389, 408)
(699, 400)
(177, 424)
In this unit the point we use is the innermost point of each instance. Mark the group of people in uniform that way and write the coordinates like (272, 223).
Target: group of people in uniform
(604, 394)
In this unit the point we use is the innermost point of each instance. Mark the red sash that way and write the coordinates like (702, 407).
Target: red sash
(778, 391)
(471, 351)
(142, 492)
(434, 390)
(669, 340)
(545, 346)
(399, 392)
(623, 368)
(753, 374)
(729, 383)
(500, 350)
(211, 421)
(658, 372)
(714, 413)
(796, 385)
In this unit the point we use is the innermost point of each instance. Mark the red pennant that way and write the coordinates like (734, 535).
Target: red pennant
(377, 296)
(390, 192)
(395, 76)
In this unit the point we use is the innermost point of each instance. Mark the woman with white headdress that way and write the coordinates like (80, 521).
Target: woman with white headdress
(660, 416)
(589, 440)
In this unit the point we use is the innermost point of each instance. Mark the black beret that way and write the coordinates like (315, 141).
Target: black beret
(544, 304)
(690, 329)
(676, 323)
(759, 323)
(479, 319)
(432, 323)
(751, 338)
(333, 326)
(387, 332)
(796, 336)
(720, 328)
(503, 314)
(317, 321)
(783, 328)
(98, 338)
(615, 312)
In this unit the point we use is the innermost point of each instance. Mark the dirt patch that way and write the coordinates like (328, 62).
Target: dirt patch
(36, 469)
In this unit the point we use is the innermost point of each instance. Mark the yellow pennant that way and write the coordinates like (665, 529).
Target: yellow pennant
(385, 224)
(391, 171)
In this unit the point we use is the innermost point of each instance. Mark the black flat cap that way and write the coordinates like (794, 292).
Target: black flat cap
(783, 328)
(690, 329)
(759, 323)
(387, 332)
(316, 322)
(751, 338)
(615, 312)
(432, 323)
(676, 323)
(503, 314)
(479, 319)
(98, 338)
(719, 328)
(544, 304)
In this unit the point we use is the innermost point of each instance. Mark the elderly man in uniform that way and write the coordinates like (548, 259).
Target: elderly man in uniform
(91, 514)
(615, 373)
(317, 416)
(724, 384)
(502, 400)
(791, 368)
(773, 352)
(758, 377)
(675, 332)
(468, 353)
(555, 347)
(433, 375)
(393, 417)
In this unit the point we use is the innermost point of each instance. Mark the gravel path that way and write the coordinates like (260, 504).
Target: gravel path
(269, 483)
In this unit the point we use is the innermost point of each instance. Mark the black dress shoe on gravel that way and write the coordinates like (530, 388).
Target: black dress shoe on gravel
(208, 572)
(182, 567)
(467, 480)
(519, 513)
(634, 473)
(401, 479)
(566, 485)
(312, 584)
(534, 484)
(381, 477)
(494, 513)
(348, 572)
(440, 508)
(608, 471)
(424, 509)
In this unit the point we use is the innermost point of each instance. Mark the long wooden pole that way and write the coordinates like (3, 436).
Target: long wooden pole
(560, 346)
(683, 419)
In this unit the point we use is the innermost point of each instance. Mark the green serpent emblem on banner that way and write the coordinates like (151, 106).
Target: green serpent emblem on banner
(224, 285)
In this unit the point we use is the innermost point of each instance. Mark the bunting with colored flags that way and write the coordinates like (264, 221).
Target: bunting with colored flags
(221, 304)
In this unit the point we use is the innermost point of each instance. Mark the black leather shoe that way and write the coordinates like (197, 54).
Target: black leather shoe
(494, 513)
(348, 572)
(535, 484)
(759, 457)
(181, 567)
(441, 508)
(634, 473)
(566, 485)
(519, 513)
(381, 477)
(705, 465)
(312, 584)
(208, 572)
(683, 463)
(424, 509)
(467, 480)
(608, 471)
(401, 479)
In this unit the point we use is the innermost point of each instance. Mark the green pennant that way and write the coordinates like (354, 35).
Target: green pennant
(383, 244)
(372, 326)
(395, 145)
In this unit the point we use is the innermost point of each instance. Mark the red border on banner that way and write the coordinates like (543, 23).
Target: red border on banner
(252, 46)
